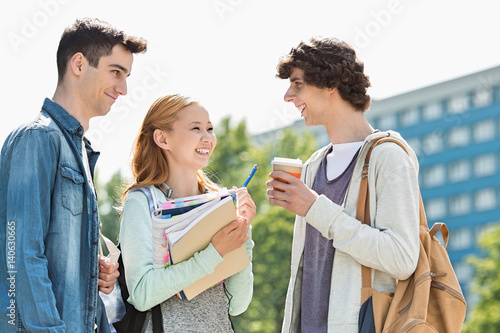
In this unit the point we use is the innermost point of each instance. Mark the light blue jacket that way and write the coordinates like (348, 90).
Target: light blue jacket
(49, 229)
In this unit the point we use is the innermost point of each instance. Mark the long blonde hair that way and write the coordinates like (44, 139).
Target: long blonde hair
(149, 164)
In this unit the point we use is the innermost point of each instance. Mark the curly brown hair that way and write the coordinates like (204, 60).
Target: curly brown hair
(329, 63)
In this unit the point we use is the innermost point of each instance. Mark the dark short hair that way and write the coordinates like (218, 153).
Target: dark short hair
(329, 63)
(94, 38)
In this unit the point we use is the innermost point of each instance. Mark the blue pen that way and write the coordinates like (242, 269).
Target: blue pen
(255, 167)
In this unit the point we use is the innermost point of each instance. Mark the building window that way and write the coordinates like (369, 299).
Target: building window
(458, 171)
(460, 239)
(464, 273)
(414, 144)
(435, 209)
(483, 97)
(432, 111)
(458, 104)
(409, 117)
(434, 176)
(484, 165)
(484, 131)
(485, 199)
(459, 204)
(432, 143)
(458, 137)
(387, 123)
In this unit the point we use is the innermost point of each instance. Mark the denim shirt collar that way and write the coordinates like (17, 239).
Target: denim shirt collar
(71, 125)
(62, 116)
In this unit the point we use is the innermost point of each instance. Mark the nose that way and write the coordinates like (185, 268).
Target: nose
(289, 95)
(121, 88)
(206, 136)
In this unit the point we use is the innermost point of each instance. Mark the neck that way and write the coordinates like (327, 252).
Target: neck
(348, 125)
(183, 184)
(71, 103)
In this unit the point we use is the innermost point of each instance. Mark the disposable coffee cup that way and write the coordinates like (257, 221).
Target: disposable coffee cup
(289, 165)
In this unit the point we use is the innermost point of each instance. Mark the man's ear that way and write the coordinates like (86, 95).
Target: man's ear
(160, 139)
(78, 63)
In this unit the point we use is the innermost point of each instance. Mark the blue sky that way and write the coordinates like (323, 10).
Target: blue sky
(224, 52)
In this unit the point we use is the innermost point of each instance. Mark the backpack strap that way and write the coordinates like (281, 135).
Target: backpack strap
(134, 319)
(153, 203)
(363, 206)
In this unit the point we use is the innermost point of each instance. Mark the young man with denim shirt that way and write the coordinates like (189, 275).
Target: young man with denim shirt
(50, 270)
(328, 86)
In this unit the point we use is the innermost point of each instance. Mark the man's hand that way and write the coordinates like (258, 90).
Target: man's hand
(290, 193)
(108, 273)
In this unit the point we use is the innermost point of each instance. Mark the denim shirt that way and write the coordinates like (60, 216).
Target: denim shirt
(50, 229)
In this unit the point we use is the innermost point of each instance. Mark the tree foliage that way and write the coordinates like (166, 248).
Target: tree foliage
(485, 316)
(109, 200)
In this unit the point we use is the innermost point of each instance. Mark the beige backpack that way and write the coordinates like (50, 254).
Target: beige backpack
(431, 300)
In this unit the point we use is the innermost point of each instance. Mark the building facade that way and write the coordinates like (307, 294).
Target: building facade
(454, 127)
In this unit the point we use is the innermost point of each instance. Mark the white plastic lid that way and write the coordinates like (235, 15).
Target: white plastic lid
(287, 161)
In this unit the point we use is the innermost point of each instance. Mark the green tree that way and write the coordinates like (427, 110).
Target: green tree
(231, 157)
(109, 199)
(485, 316)
(272, 231)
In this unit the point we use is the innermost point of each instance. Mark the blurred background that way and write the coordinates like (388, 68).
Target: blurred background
(435, 74)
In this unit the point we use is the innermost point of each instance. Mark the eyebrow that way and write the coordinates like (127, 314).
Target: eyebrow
(296, 78)
(199, 123)
(123, 69)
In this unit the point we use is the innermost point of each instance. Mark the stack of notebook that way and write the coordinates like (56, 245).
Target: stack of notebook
(185, 226)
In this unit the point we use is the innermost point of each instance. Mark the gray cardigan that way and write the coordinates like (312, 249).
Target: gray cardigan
(390, 246)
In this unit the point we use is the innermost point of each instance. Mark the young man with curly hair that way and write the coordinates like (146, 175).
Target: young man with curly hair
(329, 88)
(50, 270)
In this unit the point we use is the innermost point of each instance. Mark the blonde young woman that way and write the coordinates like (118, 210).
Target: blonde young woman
(175, 142)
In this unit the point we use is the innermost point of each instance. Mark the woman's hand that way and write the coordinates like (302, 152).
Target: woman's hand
(231, 236)
(235, 234)
(246, 206)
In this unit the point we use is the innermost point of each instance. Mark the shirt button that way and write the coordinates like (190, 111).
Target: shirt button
(92, 276)
(91, 308)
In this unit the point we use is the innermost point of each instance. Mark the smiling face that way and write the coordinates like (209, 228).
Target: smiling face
(312, 102)
(191, 141)
(102, 85)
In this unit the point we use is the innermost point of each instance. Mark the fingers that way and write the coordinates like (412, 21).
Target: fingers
(283, 176)
(105, 289)
(246, 205)
(231, 237)
(108, 273)
(290, 193)
(104, 261)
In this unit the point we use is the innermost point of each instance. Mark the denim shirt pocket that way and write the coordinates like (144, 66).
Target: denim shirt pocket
(72, 189)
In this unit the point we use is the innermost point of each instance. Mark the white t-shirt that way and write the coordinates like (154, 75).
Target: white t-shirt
(340, 157)
(86, 165)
